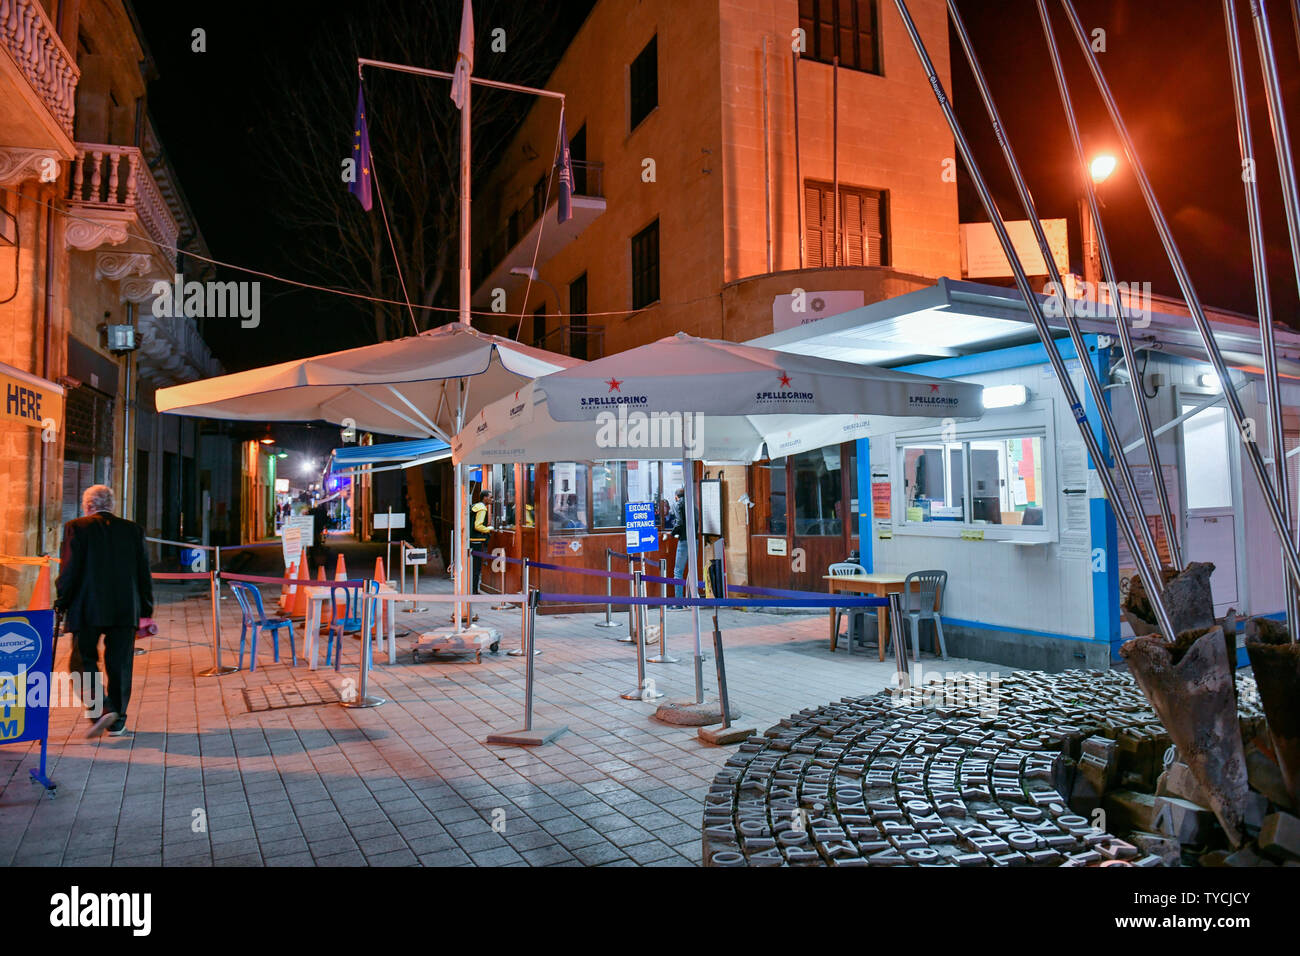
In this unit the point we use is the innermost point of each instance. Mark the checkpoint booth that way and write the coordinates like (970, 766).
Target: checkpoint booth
(1012, 507)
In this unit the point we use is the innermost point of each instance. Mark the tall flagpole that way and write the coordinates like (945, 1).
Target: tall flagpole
(464, 208)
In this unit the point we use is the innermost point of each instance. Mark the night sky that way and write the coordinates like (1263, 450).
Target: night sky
(1165, 59)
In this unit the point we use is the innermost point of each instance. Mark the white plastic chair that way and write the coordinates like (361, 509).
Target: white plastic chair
(844, 569)
(924, 604)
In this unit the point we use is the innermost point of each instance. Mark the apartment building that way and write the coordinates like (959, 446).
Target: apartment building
(92, 216)
(712, 198)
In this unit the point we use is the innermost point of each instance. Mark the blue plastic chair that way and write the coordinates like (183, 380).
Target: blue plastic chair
(254, 620)
(349, 622)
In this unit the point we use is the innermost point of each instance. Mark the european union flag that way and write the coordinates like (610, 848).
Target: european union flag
(361, 181)
(564, 163)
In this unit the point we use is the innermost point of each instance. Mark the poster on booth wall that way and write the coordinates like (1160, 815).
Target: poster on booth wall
(26, 658)
(881, 496)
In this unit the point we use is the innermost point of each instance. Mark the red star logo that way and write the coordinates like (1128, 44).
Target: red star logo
(785, 380)
(516, 396)
(613, 384)
(933, 389)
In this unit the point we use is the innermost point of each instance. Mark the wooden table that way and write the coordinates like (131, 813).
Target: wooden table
(875, 585)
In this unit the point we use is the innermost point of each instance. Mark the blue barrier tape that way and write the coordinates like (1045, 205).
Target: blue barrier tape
(827, 601)
(776, 592)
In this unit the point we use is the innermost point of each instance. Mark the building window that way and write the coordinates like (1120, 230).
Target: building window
(643, 77)
(645, 266)
(578, 317)
(848, 29)
(994, 480)
(539, 327)
(862, 224)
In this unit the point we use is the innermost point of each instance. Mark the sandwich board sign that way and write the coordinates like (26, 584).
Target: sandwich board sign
(26, 659)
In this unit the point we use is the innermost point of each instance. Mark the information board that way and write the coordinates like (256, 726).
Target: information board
(639, 521)
(711, 506)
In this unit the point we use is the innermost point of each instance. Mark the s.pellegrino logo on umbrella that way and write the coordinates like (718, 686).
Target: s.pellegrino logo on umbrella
(360, 184)
(564, 164)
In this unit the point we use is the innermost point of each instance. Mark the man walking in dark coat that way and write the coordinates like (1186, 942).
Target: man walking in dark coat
(104, 588)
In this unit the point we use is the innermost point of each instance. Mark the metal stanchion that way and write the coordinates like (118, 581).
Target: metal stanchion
(899, 639)
(609, 583)
(644, 689)
(726, 734)
(415, 607)
(528, 736)
(217, 669)
(523, 623)
(662, 657)
(501, 587)
(631, 637)
(363, 698)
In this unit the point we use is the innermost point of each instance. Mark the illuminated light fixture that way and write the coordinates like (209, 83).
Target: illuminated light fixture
(308, 467)
(1005, 396)
(1209, 380)
(1101, 167)
(268, 438)
(283, 454)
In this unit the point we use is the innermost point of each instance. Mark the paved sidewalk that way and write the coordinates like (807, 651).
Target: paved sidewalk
(203, 781)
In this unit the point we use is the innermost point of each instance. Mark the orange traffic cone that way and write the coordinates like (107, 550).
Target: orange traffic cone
(379, 571)
(41, 592)
(300, 592)
(340, 574)
(286, 589)
(326, 612)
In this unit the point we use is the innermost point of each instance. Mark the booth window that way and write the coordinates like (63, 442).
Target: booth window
(567, 498)
(817, 489)
(608, 495)
(503, 495)
(530, 495)
(992, 480)
(844, 28)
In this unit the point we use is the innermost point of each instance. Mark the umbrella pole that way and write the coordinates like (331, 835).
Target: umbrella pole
(458, 548)
(692, 563)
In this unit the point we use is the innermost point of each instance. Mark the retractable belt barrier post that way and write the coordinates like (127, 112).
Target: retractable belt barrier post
(363, 697)
(528, 736)
(631, 637)
(899, 639)
(501, 586)
(217, 669)
(523, 623)
(662, 657)
(726, 734)
(213, 575)
(609, 584)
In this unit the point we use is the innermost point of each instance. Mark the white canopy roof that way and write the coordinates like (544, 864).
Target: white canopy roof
(403, 387)
(701, 398)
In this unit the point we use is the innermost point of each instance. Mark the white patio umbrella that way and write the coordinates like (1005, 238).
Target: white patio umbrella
(703, 399)
(425, 386)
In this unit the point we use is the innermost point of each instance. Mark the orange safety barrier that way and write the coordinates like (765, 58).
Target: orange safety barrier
(41, 592)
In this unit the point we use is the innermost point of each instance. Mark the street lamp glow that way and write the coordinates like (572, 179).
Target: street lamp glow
(308, 467)
(1101, 167)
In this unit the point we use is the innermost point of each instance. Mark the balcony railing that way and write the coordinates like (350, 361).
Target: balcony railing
(29, 36)
(588, 180)
(116, 179)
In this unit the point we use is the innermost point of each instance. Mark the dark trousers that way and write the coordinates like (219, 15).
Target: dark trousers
(119, 660)
(477, 564)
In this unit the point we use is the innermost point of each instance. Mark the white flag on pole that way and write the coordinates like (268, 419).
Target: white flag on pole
(464, 57)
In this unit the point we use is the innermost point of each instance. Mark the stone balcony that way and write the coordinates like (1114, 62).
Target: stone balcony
(38, 80)
(113, 197)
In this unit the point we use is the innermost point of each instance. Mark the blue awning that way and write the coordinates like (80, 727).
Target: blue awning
(358, 459)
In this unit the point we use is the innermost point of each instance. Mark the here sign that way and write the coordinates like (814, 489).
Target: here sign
(642, 530)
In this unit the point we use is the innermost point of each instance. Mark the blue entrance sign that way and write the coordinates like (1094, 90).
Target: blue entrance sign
(26, 659)
(642, 533)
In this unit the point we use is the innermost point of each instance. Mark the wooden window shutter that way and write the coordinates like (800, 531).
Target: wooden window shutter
(873, 234)
(813, 226)
(854, 239)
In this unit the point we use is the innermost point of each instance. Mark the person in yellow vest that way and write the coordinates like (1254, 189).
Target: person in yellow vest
(479, 529)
